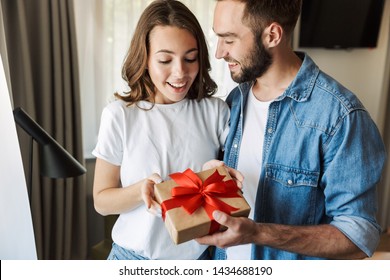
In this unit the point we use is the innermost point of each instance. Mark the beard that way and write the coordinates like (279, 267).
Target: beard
(255, 64)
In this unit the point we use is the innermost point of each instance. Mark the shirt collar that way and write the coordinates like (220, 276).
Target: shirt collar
(302, 86)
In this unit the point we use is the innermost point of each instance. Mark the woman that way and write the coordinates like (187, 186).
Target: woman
(166, 123)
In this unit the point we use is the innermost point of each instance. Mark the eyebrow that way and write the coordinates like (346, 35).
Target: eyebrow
(171, 52)
(226, 34)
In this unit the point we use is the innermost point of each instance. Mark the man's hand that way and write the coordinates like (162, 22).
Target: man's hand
(239, 231)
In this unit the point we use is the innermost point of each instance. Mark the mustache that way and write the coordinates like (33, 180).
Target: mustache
(230, 60)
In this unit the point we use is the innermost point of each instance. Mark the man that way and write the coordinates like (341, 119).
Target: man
(308, 149)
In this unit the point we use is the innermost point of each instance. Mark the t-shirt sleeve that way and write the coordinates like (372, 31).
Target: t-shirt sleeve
(109, 144)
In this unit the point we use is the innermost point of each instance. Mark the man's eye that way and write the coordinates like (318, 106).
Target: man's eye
(228, 42)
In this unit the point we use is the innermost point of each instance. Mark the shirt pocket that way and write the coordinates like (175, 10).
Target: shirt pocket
(291, 195)
(292, 177)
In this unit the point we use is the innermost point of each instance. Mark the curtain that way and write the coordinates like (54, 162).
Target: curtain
(42, 56)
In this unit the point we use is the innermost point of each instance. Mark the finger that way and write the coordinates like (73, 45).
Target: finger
(234, 173)
(209, 239)
(155, 178)
(236, 176)
(155, 209)
(212, 164)
(217, 239)
(148, 201)
(147, 191)
(222, 218)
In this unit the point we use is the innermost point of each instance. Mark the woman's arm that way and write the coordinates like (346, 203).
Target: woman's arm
(110, 198)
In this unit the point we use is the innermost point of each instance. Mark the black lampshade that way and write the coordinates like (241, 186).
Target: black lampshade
(55, 161)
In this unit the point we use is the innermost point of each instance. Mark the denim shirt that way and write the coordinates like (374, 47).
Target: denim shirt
(322, 159)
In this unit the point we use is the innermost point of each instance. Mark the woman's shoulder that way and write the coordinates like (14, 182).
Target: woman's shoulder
(117, 110)
(119, 106)
(210, 106)
(213, 102)
(115, 104)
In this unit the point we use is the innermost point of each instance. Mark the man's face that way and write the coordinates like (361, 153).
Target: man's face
(245, 53)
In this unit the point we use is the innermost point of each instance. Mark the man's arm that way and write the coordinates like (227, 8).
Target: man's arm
(324, 241)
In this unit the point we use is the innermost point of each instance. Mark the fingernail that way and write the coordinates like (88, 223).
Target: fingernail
(216, 214)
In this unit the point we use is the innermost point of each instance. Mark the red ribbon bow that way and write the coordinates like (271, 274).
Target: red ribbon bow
(191, 194)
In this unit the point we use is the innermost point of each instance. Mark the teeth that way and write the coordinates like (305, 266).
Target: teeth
(177, 85)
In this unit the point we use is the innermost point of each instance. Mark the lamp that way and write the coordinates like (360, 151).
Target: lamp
(55, 161)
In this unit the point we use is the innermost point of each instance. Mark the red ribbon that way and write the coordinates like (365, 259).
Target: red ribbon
(191, 194)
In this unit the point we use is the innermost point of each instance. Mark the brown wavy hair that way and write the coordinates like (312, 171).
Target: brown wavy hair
(134, 70)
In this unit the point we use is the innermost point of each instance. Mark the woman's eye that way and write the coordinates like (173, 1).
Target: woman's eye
(191, 60)
(164, 61)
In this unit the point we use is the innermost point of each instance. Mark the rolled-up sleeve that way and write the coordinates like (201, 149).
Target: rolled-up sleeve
(354, 160)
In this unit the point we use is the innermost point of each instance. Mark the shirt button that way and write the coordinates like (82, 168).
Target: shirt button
(290, 182)
(270, 130)
(235, 146)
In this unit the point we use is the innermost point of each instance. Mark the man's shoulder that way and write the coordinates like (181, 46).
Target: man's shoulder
(330, 90)
(234, 96)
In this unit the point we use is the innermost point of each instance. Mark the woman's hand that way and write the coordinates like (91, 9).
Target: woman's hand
(235, 174)
(147, 194)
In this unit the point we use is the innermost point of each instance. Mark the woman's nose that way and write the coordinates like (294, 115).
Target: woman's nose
(179, 69)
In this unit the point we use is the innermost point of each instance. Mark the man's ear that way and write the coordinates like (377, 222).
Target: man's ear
(272, 35)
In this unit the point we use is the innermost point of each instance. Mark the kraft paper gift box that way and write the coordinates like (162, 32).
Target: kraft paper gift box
(189, 199)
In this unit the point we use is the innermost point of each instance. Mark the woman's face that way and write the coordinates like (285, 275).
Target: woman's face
(172, 63)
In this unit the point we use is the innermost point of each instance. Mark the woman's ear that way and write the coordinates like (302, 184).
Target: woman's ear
(273, 34)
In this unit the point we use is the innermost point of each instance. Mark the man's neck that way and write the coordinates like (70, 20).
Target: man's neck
(278, 77)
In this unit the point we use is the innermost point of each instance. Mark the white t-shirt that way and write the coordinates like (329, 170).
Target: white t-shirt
(168, 138)
(250, 161)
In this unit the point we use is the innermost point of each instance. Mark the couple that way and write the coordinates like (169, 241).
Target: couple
(308, 149)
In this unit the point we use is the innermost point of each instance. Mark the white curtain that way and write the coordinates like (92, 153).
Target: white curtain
(104, 30)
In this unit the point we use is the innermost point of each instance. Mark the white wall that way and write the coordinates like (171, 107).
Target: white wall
(364, 71)
(16, 230)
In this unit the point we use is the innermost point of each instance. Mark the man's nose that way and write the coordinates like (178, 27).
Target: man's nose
(221, 51)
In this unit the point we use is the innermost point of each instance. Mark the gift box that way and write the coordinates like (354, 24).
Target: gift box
(188, 200)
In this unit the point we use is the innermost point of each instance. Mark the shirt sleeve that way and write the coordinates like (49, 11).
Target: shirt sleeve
(354, 159)
(110, 139)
